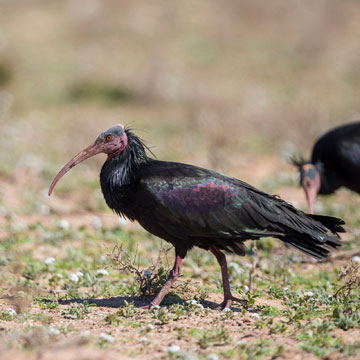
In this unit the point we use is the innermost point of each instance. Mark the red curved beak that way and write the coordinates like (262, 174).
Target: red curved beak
(83, 155)
(310, 193)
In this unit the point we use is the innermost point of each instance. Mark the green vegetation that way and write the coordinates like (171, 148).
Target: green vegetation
(235, 86)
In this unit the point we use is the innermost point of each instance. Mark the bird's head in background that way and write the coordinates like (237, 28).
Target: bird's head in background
(309, 180)
(111, 142)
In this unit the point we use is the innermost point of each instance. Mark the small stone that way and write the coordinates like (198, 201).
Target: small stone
(96, 222)
(11, 312)
(308, 293)
(144, 339)
(49, 261)
(79, 273)
(107, 338)
(53, 331)
(122, 221)
(84, 334)
(356, 259)
(173, 349)
(63, 224)
(240, 342)
(102, 272)
(255, 315)
(74, 278)
(44, 209)
(212, 357)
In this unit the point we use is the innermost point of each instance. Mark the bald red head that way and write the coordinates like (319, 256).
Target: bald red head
(111, 142)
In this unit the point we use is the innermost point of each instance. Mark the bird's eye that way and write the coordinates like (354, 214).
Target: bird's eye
(108, 138)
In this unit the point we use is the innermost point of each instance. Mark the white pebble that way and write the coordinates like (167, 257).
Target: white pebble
(102, 272)
(44, 209)
(240, 342)
(226, 309)
(144, 339)
(63, 224)
(155, 307)
(74, 278)
(11, 312)
(107, 338)
(356, 259)
(96, 222)
(255, 315)
(49, 260)
(308, 293)
(173, 349)
(236, 267)
(59, 276)
(53, 331)
(79, 273)
(123, 221)
(212, 357)
(84, 334)
(150, 327)
(246, 288)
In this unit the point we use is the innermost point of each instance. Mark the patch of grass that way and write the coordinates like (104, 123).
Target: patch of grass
(126, 311)
(259, 350)
(347, 317)
(78, 311)
(206, 338)
(317, 339)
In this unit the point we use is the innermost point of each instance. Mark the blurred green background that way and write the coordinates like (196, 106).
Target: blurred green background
(235, 86)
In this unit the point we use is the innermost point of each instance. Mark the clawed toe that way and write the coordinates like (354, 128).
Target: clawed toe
(228, 302)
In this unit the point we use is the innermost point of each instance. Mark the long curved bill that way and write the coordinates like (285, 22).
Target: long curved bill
(310, 193)
(81, 156)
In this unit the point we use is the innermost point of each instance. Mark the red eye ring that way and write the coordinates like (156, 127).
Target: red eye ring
(108, 138)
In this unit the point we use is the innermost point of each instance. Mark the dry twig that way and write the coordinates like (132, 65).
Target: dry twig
(149, 280)
(350, 274)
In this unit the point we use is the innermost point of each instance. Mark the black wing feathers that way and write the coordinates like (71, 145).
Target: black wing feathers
(195, 203)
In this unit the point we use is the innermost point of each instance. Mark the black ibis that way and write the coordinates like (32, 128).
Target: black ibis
(335, 162)
(190, 206)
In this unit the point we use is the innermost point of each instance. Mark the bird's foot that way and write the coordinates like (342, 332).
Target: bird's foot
(150, 306)
(145, 307)
(228, 301)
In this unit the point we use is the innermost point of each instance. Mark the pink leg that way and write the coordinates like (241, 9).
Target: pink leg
(228, 298)
(174, 274)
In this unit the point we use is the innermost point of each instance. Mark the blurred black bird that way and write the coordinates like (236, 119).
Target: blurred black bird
(190, 206)
(335, 162)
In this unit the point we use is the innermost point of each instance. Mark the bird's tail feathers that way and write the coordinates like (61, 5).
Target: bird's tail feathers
(310, 246)
(332, 223)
